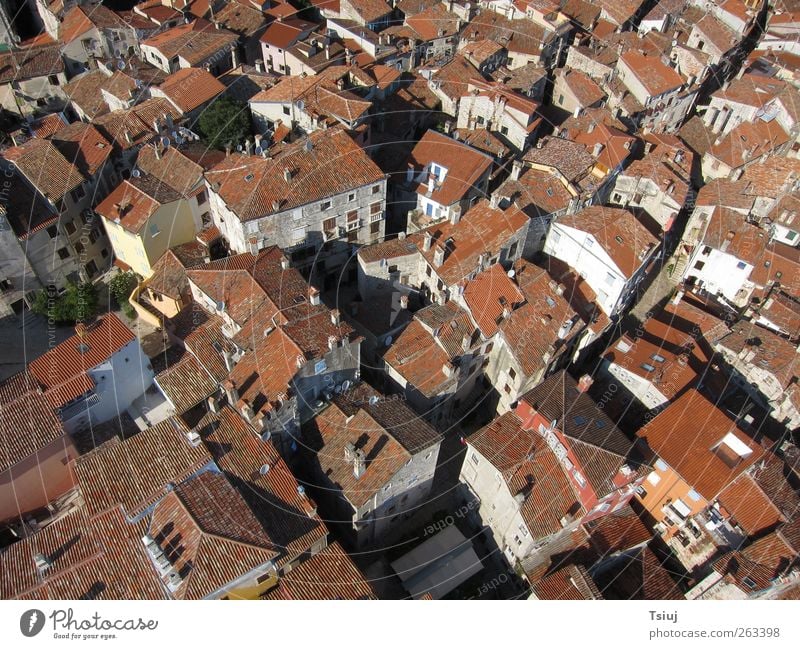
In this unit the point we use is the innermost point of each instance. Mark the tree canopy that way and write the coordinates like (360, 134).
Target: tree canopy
(225, 121)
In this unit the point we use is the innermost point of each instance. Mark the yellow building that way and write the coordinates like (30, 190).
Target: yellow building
(144, 218)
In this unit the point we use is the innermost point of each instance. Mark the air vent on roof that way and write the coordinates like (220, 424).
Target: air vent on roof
(249, 177)
(193, 437)
(618, 239)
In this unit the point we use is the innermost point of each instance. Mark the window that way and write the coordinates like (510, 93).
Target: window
(5, 285)
(320, 367)
(610, 279)
(561, 100)
(699, 265)
(658, 358)
(647, 367)
(480, 120)
(77, 194)
(507, 388)
(376, 189)
(375, 208)
(328, 225)
(512, 251)
(52, 231)
(104, 252)
(707, 250)
(351, 198)
(504, 130)
(286, 109)
(474, 459)
(428, 271)
(202, 197)
(70, 227)
(154, 231)
(53, 80)
(375, 228)
(653, 478)
(512, 373)
(393, 268)
(63, 253)
(326, 205)
(741, 265)
(79, 248)
(791, 234)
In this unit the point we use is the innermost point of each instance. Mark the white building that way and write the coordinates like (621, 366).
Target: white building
(609, 247)
(322, 190)
(95, 375)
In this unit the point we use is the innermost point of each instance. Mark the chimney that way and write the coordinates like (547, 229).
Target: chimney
(234, 58)
(327, 52)
(42, 562)
(455, 215)
(516, 169)
(258, 139)
(336, 317)
(678, 297)
(227, 356)
(590, 128)
(427, 241)
(494, 201)
(598, 147)
(359, 463)
(448, 369)
(248, 146)
(213, 404)
(313, 296)
(404, 301)
(287, 175)
(228, 150)
(438, 256)
(466, 342)
(284, 262)
(332, 342)
(231, 392)
(349, 452)
(584, 383)
(247, 411)
(128, 137)
(80, 330)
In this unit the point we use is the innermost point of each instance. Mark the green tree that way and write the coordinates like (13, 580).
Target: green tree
(78, 302)
(121, 286)
(225, 121)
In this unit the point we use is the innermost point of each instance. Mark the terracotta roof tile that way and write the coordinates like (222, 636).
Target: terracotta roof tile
(133, 473)
(45, 167)
(488, 295)
(190, 88)
(328, 575)
(195, 41)
(384, 455)
(334, 164)
(69, 362)
(27, 420)
(186, 383)
(689, 436)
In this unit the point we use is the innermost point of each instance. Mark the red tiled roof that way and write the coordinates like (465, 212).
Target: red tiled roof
(334, 164)
(134, 472)
(418, 359)
(288, 516)
(135, 200)
(195, 41)
(655, 76)
(27, 420)
(330, 574)
(530, 469)
(749, 506)
(209, 535)
(685, 436)
(385, 456)
(465, 166)
(83, 146)
(190, 88)
(66, 364)
(488, 295)
(481, 229)
(186, 383)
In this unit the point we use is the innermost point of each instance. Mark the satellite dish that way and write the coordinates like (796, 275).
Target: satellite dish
(259, 150)
(511, 273)
(165, 142)
(345, 386)
(136, 173)
(120, 65)
(373, 400)
(338, 389)
(238, 147)
(300, 104)
(266, 436)
(179, 140)
(174, 134)
(387, 341)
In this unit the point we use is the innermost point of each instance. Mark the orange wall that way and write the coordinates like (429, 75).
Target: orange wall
(669, 487)
(37, 480)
